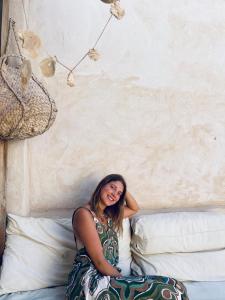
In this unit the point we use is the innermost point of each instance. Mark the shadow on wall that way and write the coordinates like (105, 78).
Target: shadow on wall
(80, 194)
(84, 189)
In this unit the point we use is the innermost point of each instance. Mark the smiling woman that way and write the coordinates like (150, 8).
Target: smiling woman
(108, 200)
(95, 274)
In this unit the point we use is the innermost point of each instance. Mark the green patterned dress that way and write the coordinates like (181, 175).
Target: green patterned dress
(86, 282)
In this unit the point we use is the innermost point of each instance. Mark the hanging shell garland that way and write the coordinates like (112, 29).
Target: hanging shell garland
(70, 80)
(47, 66)
(117, 11)
(31, 42)
(93, 54)
(25, 73)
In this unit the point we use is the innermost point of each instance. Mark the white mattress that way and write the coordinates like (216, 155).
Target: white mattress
(196, 291)
(206, 290)
(56, 293)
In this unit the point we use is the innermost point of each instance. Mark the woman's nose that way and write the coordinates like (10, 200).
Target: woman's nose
(113, 193)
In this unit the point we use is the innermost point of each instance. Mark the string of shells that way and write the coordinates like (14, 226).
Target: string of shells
(31, 42)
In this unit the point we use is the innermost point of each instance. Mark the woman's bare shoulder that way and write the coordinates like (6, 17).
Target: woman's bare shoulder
(82, 213)
(84, 224)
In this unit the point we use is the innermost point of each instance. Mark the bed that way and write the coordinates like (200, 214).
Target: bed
(39, 253)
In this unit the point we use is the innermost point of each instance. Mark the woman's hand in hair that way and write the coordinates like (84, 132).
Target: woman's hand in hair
(131, 207)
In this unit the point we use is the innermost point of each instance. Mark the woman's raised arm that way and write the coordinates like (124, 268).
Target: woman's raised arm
(131, 206)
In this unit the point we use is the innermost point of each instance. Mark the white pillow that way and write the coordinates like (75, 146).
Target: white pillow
(196, 266)
(124, 249)
(178, 232)
(39, 253)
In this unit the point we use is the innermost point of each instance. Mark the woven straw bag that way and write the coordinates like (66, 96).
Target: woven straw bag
(24, 113)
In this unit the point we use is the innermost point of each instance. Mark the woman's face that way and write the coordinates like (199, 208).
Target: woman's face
(111, 192)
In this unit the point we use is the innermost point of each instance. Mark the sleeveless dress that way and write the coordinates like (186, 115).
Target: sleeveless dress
(86, 282)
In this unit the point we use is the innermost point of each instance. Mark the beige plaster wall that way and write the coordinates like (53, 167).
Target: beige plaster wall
(152, 109)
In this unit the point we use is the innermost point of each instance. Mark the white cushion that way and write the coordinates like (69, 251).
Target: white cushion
(196, 266)
(178, 232)
(124, 248)
(40, 252)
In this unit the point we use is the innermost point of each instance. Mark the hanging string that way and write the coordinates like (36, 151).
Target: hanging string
(60, 63)
(87, 53)
(80, 61)
(99, 37)
(104, 28)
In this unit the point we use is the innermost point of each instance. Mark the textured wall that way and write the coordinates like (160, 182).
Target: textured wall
(152, 109)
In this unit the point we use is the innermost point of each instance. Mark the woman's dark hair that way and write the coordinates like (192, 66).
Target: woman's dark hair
(115, 212)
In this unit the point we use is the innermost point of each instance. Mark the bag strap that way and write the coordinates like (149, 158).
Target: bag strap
(12, 36)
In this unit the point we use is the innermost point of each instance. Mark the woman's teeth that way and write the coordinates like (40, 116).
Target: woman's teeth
(110, 198)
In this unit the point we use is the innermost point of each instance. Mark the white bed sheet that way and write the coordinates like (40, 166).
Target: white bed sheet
(206, 290)
(54, 293)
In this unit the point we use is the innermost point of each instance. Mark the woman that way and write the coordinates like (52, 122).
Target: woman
(95, 274)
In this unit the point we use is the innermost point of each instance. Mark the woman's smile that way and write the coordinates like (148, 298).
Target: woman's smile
(111, 198)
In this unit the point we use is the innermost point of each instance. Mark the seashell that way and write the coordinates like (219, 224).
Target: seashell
(25, 73)
(31, 42)
(108, 1)
(93, 54)
(20, 35)
(47, 66)
(70, 80)
(117, 11)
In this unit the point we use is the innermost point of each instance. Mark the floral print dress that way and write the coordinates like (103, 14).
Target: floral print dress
(86, 282)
